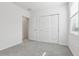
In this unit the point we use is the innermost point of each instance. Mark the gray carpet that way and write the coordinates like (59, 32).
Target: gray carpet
(35, 48)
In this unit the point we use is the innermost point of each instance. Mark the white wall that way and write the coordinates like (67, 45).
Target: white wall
(74, 44)
(10, 24)
(73, 39)
(63, 20)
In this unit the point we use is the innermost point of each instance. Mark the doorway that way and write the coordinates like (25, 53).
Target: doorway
(25, 28)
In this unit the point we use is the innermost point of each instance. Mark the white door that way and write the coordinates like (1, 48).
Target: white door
(48, 28)
(54, 28)
(44, 28)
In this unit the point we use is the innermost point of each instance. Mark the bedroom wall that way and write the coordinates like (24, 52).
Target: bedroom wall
(11, 24)
(73, 38)
(62, 10)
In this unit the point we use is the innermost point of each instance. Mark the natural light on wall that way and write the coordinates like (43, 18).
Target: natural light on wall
(74, 19)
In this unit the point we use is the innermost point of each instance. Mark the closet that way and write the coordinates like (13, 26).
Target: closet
(48, 28)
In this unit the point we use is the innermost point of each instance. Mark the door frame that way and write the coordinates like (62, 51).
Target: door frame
(27, 18)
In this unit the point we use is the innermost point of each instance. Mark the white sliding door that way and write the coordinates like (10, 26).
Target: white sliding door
(44, 28)
(54, 28)
(48, 28)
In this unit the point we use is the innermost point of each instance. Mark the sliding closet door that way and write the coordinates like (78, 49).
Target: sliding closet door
(48, 28)
(54, 28)
(44, 28)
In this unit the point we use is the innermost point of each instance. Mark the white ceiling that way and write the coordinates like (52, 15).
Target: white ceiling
(34, 6)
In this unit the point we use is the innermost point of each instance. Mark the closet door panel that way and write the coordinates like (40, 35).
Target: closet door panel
(54, 28)
(48, 29)
(44, 28)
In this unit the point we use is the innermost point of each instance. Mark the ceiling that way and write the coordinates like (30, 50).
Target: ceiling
(34, 6)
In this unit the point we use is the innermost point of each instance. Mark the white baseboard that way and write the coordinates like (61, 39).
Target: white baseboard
(19, 42)
(51, 42)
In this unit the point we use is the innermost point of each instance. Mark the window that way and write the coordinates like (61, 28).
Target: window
(74, 19)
